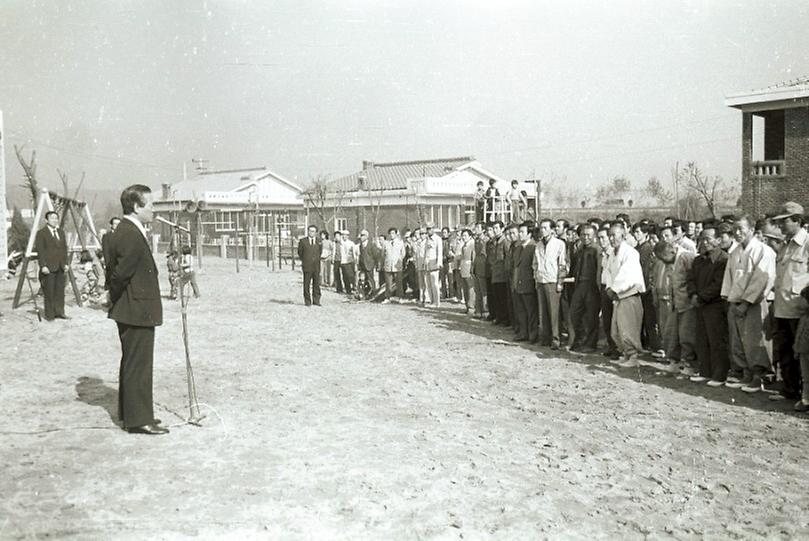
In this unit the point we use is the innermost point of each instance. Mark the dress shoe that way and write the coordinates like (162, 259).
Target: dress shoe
(152, 430)
(801, 406)
(62, 317)
(318, 304)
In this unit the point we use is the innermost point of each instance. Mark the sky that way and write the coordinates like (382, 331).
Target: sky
(573, 92)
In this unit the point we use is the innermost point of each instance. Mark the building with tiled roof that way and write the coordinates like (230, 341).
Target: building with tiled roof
(223, 203)
(775, 145)
(402, 194)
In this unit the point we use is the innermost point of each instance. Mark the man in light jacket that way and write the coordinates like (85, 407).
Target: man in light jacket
(749, 277)
(624, 287)
(550, 269)
(394, 252)
(433, 263)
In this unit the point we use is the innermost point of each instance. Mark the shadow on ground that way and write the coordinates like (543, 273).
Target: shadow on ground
(94, 392)
(451, 317)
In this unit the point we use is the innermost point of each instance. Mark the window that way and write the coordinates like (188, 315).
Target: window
(223, 220)
(340, 224)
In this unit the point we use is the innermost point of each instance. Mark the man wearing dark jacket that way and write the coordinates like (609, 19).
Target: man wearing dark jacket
(586, 300)
(704, 286)
(525, 297)
(309, 250)
(51, 249)
(106, 249)
(136, 308)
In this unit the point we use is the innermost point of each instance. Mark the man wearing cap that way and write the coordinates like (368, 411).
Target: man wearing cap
(433, 262)
(791, 276)
(749, 277)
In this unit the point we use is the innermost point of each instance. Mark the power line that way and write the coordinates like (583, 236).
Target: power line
(113, 159)
(643, 151)
(615, 135)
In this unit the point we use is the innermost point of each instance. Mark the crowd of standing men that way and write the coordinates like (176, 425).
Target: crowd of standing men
(721, 302)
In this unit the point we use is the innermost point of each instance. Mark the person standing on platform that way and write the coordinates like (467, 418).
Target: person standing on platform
(309, 251)
(51, 248)
(137, 310)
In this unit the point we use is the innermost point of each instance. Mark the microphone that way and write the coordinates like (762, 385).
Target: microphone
(172, 224)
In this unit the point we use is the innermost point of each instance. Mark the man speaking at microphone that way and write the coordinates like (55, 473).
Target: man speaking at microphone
(136, 308)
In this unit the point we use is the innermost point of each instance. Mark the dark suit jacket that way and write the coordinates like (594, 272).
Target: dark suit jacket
(523, 269)
(106, 250)
(51, 253)
(368, 256)
(134, 288)
(309, 254)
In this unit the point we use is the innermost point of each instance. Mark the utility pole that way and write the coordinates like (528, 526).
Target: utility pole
(675, 176)
(3, 208)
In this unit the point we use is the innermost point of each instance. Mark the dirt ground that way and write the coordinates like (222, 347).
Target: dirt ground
(368, 421)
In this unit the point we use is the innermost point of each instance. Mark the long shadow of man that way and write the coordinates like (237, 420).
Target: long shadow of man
(94, 392)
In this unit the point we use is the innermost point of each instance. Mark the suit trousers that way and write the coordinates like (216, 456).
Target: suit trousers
(338, 281)
(783, 339)
(325, 272)
(679, 336)
(548, 302)
(650, 333)
(424, 292)
(627, 318)
(311, 279)
(526, 314)
(53, 288)
(432, 278)
(490, 302)
(498, 303)
(135, 406)
(391, 278)
(748, 355)
(481, 295)
(607, 309)
(584, 307)
(457, 280)
(711, 340)
(467, 288)
(512, 308)
(347, 271)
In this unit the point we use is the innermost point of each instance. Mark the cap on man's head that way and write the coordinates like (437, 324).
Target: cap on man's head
(429, 225)
(775, 235)
(790, 208)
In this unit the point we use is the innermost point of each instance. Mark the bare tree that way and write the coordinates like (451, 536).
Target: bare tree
(324, 200)
(615, 188)
(654, 188)
(708, 188)
(30, 170)
(375, 198)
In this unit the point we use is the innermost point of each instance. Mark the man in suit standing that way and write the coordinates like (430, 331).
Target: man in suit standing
(309, 251)
(51, 248)
(106, 249)
(136, 308)
(525, 297)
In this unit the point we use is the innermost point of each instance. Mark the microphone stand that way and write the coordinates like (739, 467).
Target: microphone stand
(194, 416)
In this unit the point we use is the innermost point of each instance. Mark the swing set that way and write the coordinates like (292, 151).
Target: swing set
(77, 241)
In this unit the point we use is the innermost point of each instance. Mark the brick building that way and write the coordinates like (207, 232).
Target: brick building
(403, 194)
(775, 145)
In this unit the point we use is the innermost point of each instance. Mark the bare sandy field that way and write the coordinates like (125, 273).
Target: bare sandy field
(364, 421)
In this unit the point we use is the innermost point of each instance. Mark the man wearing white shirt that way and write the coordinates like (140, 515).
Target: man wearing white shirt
(550, 269)
(624, 286)
(749, 278)
(433, 263)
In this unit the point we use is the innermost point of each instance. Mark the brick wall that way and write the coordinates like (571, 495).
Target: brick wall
(762, 195)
